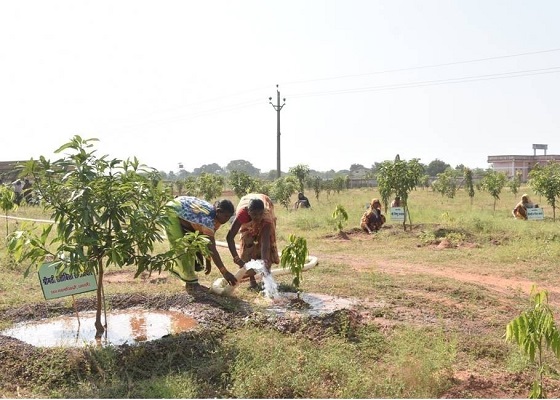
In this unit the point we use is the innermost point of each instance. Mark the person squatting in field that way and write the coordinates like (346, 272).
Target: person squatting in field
(190, 214)
(372, 219)
(256, 223)
(302, 201)
(396, 202)
(520, 209)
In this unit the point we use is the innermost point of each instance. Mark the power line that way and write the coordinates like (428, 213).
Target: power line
(474, 78)
(424, 66)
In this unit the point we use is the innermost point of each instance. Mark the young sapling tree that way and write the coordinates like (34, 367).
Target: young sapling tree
(340, 217)
(7, 202)
(106, 213)
(294, 256)
(534, 331)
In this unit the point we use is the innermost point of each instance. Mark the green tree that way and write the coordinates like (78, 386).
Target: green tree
(424, 181)
(179, 184)
(545, 181)
(493, 182)
(338, 183)
(106, 213)
(294, 256)
(399, 177)
(209, 169)
(301, 172)
(446, 183)
(7, 202)
(534, 331)
(210, 186)
(242, 183)
(282, 191)
(328, 186)
(271, 175)
(469, 185)
(190, 186)
(356, 167)
(436, 167)
(317, 185)
(182, 174)
(243, 166)
(340, 217)
(515, 183)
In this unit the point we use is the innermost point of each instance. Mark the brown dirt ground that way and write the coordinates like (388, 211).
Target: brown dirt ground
(212, 310)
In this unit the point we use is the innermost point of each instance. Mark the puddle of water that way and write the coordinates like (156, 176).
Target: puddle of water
(280, 303)
(123, 326)
(318, 303)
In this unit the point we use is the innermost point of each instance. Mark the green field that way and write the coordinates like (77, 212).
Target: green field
(432, 303)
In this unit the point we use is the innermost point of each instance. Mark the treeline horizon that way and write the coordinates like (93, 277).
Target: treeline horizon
(432, 169)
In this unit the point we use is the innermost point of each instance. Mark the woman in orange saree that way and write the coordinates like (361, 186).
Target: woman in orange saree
(256, 223)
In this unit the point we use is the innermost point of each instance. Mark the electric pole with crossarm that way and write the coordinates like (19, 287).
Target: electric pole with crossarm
(277, 107)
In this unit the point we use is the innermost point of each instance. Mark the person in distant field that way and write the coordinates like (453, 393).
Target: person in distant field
(396, 202)
(373, 220)
(302, 201)
(520, 209)
(190, 214)
(27, 191)
(256, 223)
(18, 191)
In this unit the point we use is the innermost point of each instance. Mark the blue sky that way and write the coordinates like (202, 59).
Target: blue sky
(188, 81)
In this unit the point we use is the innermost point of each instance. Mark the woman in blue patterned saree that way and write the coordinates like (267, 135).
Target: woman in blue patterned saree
(190, 214)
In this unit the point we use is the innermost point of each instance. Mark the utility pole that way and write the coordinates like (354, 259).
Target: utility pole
(277, 107)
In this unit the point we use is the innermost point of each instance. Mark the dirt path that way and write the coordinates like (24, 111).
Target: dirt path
(493, 282)
(478, 383)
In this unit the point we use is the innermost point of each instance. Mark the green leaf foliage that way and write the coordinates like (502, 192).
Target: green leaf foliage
(493, 182)
(534, 331)
(398, 177)
(282, 190)
(300, 172)
(242, 183)
(103, 210)
(294, 256)
(340, 216)
(545, 181)
(469, 184)
(106, 212)
(7, 201)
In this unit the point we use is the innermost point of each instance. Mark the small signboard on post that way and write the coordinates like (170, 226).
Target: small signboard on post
(65, 284)
(397, 214)
(535, 213)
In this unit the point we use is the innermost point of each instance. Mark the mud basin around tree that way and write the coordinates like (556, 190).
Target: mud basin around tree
(312, 304)
(129, 326)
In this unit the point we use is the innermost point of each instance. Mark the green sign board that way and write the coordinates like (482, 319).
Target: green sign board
(64, 284)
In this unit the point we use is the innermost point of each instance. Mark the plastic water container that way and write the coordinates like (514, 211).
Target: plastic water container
(221, 286)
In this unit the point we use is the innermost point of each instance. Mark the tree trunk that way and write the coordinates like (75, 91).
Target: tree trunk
(409, 218)
(98, 325)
